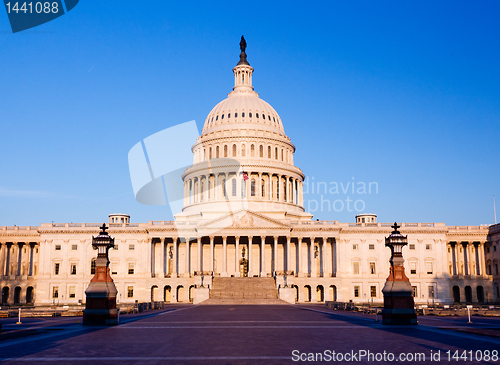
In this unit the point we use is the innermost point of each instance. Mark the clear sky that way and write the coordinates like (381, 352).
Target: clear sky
(405, 94)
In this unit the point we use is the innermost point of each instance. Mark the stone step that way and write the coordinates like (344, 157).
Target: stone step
(246, 301)
(244, 290)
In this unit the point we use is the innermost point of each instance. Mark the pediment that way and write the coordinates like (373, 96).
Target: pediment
(243, 219)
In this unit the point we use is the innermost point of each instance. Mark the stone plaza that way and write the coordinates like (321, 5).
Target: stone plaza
(225, 334)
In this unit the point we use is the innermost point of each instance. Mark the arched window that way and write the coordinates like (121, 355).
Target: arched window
(202, 186)
(224, 191)
(276, 153)
(261, 148)
(268, 151)
(252, 150)
(263, 182)
(210, 153)
(92, 266)
(243, 150)
(257, 115)
(204, 154)
(234, 150)
(228, 115)
(281, 154)
(252, 188)
(234, 187)
(236, 115)
(250, 115)
(225, 150)
(263, 117)
(284, 190)
(217, 152)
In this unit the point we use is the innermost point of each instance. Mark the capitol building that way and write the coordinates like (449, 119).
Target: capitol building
(243, 216)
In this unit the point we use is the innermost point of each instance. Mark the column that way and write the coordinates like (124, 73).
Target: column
(187, 269)
(280, 192)
(19, 257)
(7, 259)
(258, 194)
(300, 272)
(262, 256)
(323, 258)
(287, 256)
(174, 258)
(476, 248)
(224, 256)
(482, 257)
(250, 271)
(162, 271)
(237, 258)
(334, 257)
(287, 189)
(466, 258)
(30, 268)
(200, 259)
(313, 260)
(212, 254)
(275, 255)
(454, 257)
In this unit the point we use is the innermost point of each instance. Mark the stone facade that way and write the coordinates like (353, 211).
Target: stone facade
(244, 215)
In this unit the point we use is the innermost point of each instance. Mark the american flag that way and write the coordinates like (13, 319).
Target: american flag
(245, 176)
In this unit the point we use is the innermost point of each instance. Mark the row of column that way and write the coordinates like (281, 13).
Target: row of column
(310, 262)
(251, 185)
(5, 262)
(465, 257)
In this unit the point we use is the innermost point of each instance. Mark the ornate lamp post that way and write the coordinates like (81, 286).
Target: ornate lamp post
(399, 307)
(100, 307)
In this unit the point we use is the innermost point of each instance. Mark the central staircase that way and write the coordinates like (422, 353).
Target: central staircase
(232, 291)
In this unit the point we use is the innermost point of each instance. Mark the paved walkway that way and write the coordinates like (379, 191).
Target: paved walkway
(243, 335)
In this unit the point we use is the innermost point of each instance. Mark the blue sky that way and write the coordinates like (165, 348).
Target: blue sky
(404, 94)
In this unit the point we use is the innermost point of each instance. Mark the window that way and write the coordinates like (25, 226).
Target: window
(233, 182)
(92, 267)
(73, 269)
(243, 114)
(250, 114)
(228, 115)
(415, 292)
(224, 192)
(131, 247)
(234, 150)
(225, 151)
(131, 268)
(275, 153)
(74, 247)
(356, 291)
(429, 267)
(268, 151)
(58, 247)
(222, 116)
(130, 291)
(252, 188)
(263, 188)
(257, 115)
(55, 292)
(373, 291)
(114, 268)
(261, 151)
(243, 151)
(355, 246)
(413, 268)
(428, 246)
(252, 150)
(236, 115)
(72, 292)
(56, 268)
(371, 246)
(431, 291)
(372, 268)
(412, 246)
(217, 152)
(355, 268)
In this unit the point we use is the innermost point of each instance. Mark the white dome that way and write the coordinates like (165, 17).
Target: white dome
(243, 109)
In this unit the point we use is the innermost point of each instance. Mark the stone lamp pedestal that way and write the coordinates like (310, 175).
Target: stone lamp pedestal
(399, 307)
(100, 306)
